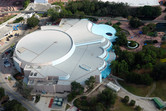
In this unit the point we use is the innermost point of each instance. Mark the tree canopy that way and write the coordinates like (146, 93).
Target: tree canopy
(76, 89)
(127, 62)
(102, 102)
(135, 22)
(26, 3)
(90, 82)
(32, 22)
(14, 105)
(2, 92)
(159, 72)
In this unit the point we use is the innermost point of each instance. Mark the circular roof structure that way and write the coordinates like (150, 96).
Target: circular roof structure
(45, 47)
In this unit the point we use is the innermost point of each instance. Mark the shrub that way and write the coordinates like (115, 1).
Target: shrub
(132, 43)
(109, 23)
(164, 38)
(138, 108)
(26, 3)
(135, 22)
(125, 99)
(132, 103)
(18, 20)
(37, 98)
(151, 41)
(32, 22)
(118, 23)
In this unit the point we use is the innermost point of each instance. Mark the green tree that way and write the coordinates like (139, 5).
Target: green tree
(121, 39)
(129, 57)
(135, 22)
(26, 3)
(77, 88)
(117, 49)
(120, 68)
(107, 97)
(37, 98)
(147, 12)
(125, 99)
(90, 82)
(132, 103)
(18, 20)
(149, 29)
(14, 105)
(138, 108)
(24, 90)
(32, 22)
(158, 72)
(2, 92)
(145, 30)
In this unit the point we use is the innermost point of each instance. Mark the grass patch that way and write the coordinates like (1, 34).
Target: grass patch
(67, 106)
(140, 90)
(119, 106)
(160, 90)
(6, 18)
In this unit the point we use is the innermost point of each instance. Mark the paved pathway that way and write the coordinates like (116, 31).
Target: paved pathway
(152, 89)
(86, 94)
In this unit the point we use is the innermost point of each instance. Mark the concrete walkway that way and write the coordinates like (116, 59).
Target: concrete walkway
(86, 94)
(143, 102)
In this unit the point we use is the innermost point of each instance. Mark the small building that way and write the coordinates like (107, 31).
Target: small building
(159, 103)
(113, 86)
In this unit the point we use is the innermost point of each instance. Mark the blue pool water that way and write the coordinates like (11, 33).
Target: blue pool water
(108, 56)
(102, 29)
(106, 72)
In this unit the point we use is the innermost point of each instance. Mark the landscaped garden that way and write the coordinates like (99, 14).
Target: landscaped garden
(132, 44)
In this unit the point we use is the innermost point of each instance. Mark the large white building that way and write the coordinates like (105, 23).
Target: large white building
(136, 3)
(55, 56)
(40, 1)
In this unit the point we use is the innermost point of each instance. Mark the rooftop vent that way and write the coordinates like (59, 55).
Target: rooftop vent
(31, 74)
(35, 74)
(85, 67)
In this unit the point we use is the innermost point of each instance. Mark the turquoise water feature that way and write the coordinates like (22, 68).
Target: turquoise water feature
(103, 29)
(109, 33)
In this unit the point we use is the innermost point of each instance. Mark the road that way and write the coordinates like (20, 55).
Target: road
(9, 91)
(23, 11)
(12, 94)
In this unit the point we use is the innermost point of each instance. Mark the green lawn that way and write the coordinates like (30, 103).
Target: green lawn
(119, 106)
(160, 90)
(67, 106)
(140, 90)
